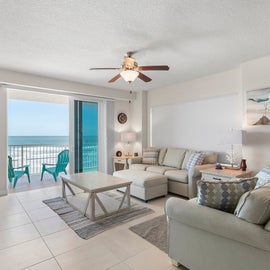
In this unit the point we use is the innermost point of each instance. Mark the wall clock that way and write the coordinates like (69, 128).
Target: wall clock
(122, 118)
(118, 153)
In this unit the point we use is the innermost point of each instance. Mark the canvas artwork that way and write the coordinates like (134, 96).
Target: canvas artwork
(258, 106)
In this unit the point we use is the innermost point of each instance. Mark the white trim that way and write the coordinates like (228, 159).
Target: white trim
(3, 192)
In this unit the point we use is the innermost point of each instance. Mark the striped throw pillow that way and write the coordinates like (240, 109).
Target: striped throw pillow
(195, 159)
(150, 156)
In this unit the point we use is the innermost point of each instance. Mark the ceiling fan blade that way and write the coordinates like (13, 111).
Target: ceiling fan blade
(102, 68)
(144, 78)
(114, 78)
(153, 68)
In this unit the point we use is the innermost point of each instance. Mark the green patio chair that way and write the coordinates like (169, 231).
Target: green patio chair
(60, 166)
(17, 172)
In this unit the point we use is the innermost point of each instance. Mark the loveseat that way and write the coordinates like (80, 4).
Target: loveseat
(166, 169)
(205, 238)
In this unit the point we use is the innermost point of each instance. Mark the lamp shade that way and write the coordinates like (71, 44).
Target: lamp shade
(128, 137)
(233, 137)
(129, 75)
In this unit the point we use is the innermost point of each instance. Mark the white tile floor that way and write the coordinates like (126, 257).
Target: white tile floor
(33, 237)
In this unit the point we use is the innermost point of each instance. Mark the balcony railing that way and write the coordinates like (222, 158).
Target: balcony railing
(36, 154)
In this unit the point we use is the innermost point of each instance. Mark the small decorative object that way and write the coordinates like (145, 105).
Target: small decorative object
(136, 154)
(118, 153)
(122, 118)
(218, 166)
(243, 165)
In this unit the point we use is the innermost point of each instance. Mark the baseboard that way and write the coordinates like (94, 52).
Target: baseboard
(3, 192)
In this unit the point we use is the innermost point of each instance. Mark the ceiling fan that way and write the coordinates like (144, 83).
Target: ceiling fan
(130, 70)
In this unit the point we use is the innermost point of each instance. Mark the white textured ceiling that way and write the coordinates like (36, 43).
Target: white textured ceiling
(64, 38)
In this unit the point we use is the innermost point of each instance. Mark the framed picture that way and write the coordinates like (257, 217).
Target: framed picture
(258, 107)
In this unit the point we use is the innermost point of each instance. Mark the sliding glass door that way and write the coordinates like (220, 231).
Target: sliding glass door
(85, 136)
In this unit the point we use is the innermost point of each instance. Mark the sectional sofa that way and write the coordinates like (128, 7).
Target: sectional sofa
(204, 238)
(166, 169)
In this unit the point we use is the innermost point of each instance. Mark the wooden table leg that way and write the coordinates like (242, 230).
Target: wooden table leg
(64, 189)
(128, 195)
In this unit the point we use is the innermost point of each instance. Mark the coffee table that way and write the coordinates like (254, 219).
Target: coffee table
(95, 183)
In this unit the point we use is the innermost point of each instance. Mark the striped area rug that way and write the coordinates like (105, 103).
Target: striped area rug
(83, 226)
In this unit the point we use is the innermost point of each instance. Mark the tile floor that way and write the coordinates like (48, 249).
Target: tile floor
(33, 237)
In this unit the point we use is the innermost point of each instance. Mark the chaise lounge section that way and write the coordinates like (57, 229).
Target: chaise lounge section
(178, 167)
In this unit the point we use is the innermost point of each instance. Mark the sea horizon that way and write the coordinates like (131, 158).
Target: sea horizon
(47, 140)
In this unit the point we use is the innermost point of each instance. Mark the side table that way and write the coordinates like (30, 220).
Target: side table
(121, 163)
(224, 174)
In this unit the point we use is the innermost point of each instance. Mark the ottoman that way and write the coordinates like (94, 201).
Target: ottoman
(145, 185)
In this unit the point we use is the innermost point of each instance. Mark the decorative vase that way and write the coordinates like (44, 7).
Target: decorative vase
(243, 165)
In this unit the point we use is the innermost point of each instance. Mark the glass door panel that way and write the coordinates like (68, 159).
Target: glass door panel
(85, 136)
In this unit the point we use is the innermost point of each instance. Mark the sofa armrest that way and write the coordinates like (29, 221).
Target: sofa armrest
(137, 160)
(217, 222)
(194, 174)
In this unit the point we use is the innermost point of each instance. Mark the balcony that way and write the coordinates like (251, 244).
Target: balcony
(36, 154)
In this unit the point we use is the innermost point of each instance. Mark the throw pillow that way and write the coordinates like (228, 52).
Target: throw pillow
(223, 195)
(186, 159)
(254, 206)
(150, 156)
(195, 159)
(263, 177)
(174, 157)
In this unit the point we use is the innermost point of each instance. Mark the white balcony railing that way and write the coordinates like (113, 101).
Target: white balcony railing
(36, 154)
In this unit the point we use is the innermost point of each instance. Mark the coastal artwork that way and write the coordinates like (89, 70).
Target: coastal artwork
(258, 107)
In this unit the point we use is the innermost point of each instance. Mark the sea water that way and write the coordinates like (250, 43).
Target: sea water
(35, 150)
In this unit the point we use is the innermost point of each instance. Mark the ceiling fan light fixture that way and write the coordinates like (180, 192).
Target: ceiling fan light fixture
(129, 75)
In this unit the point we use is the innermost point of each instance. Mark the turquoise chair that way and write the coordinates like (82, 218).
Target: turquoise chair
(17, 172)
(60, 166)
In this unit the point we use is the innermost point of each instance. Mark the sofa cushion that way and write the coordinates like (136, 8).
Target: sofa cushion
(174, 157)
(159, 169)
(140, 167)
(150, 155)
(267, 226)
(177, 175)
(142, 178)
(223, 195)
(263, 177)
(194, 159)
(254, 206)
(161, 155)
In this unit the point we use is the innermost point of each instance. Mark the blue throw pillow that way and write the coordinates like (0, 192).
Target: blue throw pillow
(263, 177)
(195, 159)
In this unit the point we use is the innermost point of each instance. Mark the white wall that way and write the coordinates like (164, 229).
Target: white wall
(197, 124)
(185, 96)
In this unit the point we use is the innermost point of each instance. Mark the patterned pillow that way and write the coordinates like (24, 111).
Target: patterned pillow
(195, 159)
(263, 176)
(223, 195)
(150, 156)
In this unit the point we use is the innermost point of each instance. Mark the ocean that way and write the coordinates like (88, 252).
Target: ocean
(48, 140)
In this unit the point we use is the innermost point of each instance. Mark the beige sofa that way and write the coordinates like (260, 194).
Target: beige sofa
(203, 238)
(170, 174)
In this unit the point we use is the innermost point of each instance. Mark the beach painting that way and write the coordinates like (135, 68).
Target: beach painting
(258, 107)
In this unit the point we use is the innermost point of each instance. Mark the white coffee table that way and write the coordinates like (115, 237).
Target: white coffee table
(94, 183)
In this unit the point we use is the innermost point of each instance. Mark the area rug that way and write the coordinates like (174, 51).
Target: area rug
(83, 226)
(154, 231)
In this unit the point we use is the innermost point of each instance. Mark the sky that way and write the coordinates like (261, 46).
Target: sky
(31, 118)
